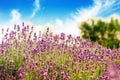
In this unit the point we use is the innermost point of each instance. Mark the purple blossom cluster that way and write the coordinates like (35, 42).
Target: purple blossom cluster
(24, 55)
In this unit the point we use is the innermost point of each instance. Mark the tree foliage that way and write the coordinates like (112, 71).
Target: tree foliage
(105, 33)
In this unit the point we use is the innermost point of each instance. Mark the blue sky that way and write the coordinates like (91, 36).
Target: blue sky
(63, 15)
(46, 10)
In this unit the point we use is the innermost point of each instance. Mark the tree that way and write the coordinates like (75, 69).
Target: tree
(105, 33)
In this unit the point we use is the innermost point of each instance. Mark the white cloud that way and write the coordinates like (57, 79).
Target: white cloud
(59, 22)
(99, 9)
(68, 26)
(37, 7)
(16, 17)
(84, 14)
(108, 7)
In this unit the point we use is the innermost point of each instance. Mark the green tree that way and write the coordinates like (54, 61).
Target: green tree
(105, 33)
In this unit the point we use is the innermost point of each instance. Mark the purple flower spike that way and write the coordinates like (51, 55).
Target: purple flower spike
(20, 75)
(54, 75)
(62, 36)
(18, 28)
(35, 51)
(80, 56)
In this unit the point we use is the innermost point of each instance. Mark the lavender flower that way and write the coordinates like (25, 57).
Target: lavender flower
(25, 54)
(20, 75)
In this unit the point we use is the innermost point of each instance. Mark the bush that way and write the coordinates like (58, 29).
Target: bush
(105, 33)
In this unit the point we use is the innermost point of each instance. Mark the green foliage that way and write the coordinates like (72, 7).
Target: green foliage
(105, 33)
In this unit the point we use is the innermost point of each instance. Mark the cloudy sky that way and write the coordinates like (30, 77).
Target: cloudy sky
(63, 15)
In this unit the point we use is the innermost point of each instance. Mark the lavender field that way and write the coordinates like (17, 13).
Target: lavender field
(24, 55)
